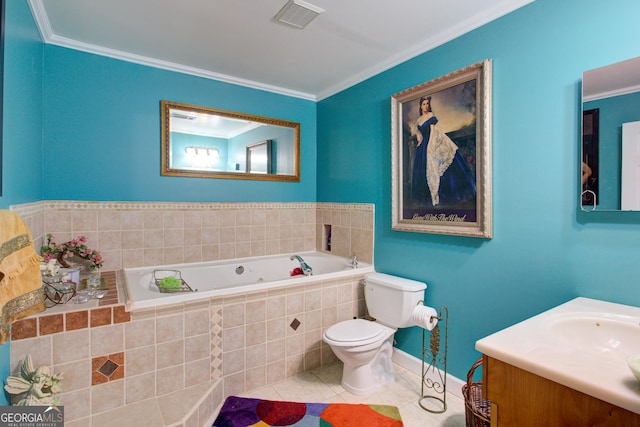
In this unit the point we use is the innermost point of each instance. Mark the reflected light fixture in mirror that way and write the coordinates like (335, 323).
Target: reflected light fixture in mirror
(202, 152)
(610, 148)
(205, 142)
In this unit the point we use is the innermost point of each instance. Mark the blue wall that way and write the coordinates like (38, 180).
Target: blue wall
(22, 130)
(22, 133)
(544, 250)
(102, 132)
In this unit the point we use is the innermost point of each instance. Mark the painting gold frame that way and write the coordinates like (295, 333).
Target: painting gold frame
(443, 186)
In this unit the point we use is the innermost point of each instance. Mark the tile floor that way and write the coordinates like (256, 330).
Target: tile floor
(323, 385)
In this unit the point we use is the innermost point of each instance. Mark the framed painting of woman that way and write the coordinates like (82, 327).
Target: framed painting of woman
(441, 154)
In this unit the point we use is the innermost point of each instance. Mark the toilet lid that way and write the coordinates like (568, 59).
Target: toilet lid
(354, 330)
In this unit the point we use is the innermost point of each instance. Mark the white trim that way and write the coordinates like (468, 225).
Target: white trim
(172, 66)
(464, 27)
(42, 22)
(42, 19)
(414, 365)
(612, 93)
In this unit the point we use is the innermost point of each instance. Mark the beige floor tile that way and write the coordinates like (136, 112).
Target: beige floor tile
(266, 393)
(320, 385)
(175, 406)
(304, 387)
(323, 385)
(331, 375)
(84, 422)
(145, 413)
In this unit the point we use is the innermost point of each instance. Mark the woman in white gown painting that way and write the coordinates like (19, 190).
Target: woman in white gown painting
(440, 174)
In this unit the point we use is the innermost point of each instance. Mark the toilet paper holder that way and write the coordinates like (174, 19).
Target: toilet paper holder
(439, 316)
(434, 364)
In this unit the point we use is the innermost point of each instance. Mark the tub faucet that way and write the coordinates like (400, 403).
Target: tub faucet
(308, 271)
(354, 262)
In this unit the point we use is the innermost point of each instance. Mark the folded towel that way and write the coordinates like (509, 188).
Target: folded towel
(20, 280)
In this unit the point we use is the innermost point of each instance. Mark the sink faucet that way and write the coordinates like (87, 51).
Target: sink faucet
(308, 271)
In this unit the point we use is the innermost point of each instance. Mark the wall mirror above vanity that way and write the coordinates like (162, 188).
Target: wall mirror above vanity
(610, 149)
(205, 142)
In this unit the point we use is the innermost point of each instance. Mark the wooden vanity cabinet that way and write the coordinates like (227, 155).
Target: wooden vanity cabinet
(523, 399)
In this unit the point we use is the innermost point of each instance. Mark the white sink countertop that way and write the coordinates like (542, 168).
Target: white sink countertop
(582, 344)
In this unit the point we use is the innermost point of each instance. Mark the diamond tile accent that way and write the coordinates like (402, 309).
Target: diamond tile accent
(216, 342)
(295, 324)
(107, 368)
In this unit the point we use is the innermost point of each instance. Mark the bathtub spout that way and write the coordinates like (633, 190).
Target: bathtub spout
(306, 269)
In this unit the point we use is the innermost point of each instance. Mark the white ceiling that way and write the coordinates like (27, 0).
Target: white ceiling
(612, 80)
(238, 41)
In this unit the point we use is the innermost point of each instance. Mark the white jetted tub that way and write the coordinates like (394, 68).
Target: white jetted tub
(232, 277)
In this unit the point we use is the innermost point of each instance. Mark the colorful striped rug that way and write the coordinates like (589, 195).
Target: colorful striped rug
(247, 412)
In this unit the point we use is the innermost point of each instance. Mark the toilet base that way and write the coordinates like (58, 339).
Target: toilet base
(368, 378)
(362, 377)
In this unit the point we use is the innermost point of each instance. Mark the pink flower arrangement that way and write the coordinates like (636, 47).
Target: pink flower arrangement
(76, 247)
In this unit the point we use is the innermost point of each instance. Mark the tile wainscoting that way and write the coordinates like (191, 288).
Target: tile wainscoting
(140, 234)
(221, 346)
(185, 359)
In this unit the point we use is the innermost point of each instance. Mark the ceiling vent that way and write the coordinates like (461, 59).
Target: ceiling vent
(298, 13)
(185, 116)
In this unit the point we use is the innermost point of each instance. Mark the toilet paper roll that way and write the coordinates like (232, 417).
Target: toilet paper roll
(424, 316)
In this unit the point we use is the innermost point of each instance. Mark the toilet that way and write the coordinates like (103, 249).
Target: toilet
(365, 346)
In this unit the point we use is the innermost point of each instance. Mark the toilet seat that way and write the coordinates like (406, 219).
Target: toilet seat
(358, 332)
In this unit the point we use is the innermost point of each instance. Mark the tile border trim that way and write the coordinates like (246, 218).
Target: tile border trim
(36, 207)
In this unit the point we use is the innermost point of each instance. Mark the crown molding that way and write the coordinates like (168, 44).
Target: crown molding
(467, 26)
(612, 93)
(44, 27)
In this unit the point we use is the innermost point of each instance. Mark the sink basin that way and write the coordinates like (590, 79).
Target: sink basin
(601, 332)
(583, 344)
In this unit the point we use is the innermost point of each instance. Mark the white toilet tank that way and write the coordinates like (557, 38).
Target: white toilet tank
(390, 299)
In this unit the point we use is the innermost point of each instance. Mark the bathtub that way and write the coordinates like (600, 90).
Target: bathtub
(232, 277)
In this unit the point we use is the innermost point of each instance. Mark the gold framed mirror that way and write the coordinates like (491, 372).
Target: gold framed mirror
(204, 142)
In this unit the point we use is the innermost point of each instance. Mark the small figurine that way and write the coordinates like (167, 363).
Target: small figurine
(53, 267)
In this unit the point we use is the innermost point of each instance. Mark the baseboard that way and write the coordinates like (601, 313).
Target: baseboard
(414, 365)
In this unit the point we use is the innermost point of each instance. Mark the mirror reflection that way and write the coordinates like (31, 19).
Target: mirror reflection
(211, 143)
(611, 137)
(259, 157)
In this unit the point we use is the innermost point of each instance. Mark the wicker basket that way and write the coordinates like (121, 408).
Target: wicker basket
(477, 411)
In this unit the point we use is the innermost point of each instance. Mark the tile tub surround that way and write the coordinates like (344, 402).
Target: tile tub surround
(258, 351)
(216, 347)
(139, 234)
